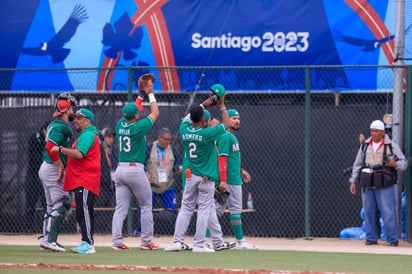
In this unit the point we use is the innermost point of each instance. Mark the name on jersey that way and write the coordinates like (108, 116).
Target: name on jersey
(235, 147)
(191, 137)
(123, 131)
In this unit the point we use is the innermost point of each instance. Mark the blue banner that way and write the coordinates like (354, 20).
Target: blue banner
(116, 34)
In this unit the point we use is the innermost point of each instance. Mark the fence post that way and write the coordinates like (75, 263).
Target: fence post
(130, 99)
(307, 153)
(129, 84)
(408, 153)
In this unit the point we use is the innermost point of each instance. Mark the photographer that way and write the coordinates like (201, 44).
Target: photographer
(376, 166)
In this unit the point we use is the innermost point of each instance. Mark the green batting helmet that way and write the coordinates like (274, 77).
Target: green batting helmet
(218, 90)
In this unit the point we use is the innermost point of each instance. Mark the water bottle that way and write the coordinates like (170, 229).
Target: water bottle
(249, 201)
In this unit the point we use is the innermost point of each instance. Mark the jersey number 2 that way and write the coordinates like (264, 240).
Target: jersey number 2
(192, 150)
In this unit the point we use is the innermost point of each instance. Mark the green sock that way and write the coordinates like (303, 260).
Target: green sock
(236, 221)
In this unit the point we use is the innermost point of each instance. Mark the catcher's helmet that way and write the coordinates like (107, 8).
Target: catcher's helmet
(63, 102)
(218, 90)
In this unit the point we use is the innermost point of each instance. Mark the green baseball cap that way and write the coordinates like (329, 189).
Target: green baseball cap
(233, 113)
(130, 110)
(85, 113)
(207, 115)
(218, 90)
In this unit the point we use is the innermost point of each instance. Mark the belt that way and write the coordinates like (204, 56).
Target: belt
(128, 164)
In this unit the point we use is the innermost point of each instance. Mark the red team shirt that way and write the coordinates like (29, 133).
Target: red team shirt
(86, 171)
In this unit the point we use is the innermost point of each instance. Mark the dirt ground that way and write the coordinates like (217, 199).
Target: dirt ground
(298, 244)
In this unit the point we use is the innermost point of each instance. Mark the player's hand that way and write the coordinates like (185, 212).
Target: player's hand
(54, 149)
(211, 101)
(245, 176)
(223, 186)
(352, 188)
(214, 122)
(61, 174)
(221, 101)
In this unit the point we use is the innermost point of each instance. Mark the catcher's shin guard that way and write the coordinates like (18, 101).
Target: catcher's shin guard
(46, 226)
(57, 221)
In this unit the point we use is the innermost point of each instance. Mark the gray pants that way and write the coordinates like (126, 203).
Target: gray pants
(132, 180)
(54, 194)
(197, 191)
(215, 229)
(233, 202)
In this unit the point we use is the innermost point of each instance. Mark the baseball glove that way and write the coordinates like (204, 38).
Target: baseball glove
(143, 79)
(210, 101)
(221, 196)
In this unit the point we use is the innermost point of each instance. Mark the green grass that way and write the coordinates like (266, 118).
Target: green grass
(233, 259)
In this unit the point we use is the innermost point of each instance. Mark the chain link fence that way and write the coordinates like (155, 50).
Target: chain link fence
(294, 195)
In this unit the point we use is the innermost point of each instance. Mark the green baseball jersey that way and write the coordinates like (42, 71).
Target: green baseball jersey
(59, 133)
(228, 146)
(199, 148)
(132, 139)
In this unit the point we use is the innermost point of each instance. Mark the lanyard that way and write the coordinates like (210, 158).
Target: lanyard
(380, 145)
(106, 151)
(159, 157)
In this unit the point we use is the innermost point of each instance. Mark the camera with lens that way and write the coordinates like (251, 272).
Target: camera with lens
(388, 158)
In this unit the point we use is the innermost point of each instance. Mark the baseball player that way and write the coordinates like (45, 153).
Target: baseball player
(130, 176)
(231, 176)
(83, 175)
(51, 172)
(200, 159)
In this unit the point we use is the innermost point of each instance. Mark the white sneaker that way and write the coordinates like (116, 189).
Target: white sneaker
(244, 245)
(175, 246)
(44, 246)
(202, 249)
(56, 247)
(225, 246)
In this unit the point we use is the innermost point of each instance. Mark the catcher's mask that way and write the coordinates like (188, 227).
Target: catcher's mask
(63, 102)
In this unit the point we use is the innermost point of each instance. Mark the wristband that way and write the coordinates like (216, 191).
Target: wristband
(152, 98)
(60, 149)
(202, 106)
(223, 109)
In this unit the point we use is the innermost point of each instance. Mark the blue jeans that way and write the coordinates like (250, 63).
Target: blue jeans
(385, 200)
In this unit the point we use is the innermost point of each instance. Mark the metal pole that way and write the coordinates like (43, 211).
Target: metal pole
(307, 154)
(397, 105)
(408, 153)
(129, 85)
